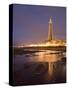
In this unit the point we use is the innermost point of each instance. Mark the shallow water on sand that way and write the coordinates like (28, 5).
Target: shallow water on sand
(41, 67)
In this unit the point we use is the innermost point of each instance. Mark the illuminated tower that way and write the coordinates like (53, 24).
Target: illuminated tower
(50, 34)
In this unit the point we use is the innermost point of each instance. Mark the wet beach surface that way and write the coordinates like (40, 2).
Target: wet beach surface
(39, 68)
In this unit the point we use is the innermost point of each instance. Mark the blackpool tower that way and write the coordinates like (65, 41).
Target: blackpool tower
(50, 32)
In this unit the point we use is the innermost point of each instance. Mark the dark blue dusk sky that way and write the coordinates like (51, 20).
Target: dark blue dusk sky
(30, 23)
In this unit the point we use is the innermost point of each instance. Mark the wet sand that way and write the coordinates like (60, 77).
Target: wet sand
(29, 70)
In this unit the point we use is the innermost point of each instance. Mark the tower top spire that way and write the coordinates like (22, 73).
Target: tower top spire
(50, 21)
(50, 32)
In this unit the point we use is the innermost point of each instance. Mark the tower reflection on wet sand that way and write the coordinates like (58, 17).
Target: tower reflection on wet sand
(50, 57)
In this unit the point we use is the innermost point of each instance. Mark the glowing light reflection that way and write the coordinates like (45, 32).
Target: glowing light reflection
(49, 58)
